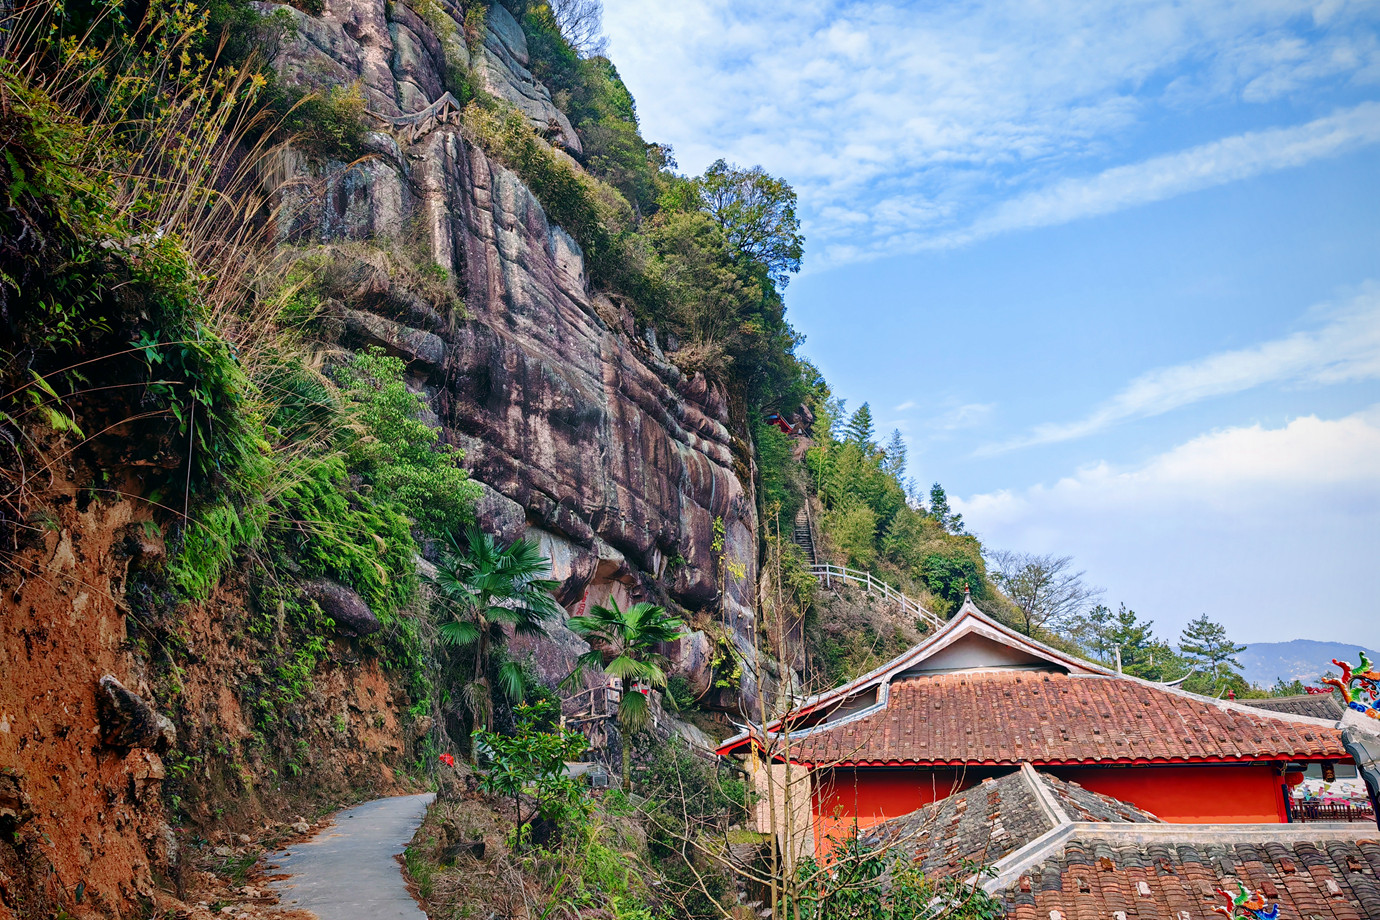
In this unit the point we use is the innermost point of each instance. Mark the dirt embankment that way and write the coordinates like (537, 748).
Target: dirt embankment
(102, 818)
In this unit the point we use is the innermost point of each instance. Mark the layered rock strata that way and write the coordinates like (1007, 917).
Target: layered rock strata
(585, 435)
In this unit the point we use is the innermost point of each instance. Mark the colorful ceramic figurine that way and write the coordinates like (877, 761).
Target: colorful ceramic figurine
(1245, 904)
(1359, 685)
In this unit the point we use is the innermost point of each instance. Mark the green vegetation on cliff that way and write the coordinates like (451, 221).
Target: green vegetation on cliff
(155, 353)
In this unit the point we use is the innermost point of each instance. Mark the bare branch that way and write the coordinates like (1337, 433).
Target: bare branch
(1044, 588)
(582, 24)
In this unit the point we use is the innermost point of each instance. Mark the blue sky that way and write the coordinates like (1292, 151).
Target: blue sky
(1113, 269)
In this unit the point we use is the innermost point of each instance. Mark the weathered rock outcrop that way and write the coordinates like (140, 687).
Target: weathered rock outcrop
(344, 606)
(127, 721)
(401, 63)
(505, 73)
(585, 435)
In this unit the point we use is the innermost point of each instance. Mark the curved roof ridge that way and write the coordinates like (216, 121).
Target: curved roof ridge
(968, 620)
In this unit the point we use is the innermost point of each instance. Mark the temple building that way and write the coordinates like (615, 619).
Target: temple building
(978, 701)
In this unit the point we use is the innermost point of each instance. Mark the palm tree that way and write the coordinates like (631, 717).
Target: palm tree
(623, 643)
(484, 587)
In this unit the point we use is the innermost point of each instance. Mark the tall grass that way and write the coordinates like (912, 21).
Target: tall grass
(143, 158)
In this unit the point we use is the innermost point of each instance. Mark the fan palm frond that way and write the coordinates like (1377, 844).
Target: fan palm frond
(459, 632)
(512, 681)
(590, 659)
(487, 586)
(634, 711)
(628, 669)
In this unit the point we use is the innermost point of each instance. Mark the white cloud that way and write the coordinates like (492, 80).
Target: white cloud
(900, 124)
(907, 405)
(968, 415)
(1346, 347)
(1228, 160)
(1273, 530)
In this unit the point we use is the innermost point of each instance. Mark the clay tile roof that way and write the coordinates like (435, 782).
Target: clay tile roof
(1009, 716)
(1314, 705)
(993, 819)
(976, 826)
(1085, 805)
(1330, 880)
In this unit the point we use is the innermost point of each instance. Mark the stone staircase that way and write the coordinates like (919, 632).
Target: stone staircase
(802, 535)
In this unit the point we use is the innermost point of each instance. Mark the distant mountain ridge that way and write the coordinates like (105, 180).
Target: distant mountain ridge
(1303, 659)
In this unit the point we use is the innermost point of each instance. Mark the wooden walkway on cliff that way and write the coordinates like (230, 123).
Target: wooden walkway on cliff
(444, 111)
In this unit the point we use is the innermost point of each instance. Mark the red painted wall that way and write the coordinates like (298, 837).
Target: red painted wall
(1188, 794)
(1206, 794)
(872, 796)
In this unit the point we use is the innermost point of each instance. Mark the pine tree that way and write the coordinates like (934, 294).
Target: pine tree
(1207, 644)
(894, 455)
(941, 512)
(1093, 631)
(859, 429)
(1135, 638)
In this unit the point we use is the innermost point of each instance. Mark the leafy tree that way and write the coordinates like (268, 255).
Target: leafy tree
(941, 512)
(483, 587)
(1045, 589)
(1205, 643)
(854, 530)
(776, 464)
(950, 576)
(757, 215)
(531, 762)
(624, 644)
(582, 24)
(396, 451)
(860, 430)
(1293, 687)
(706, 296)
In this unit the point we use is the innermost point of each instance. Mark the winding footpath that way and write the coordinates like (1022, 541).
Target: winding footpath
(347, 871)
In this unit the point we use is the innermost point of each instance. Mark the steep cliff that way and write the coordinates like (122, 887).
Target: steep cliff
(584, 433)
(144, 737)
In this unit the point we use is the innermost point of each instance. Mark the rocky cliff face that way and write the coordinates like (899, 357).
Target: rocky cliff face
(585, 436)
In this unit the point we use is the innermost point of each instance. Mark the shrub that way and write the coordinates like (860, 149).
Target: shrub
(595, 215)
(329, 529)
(531, 762)
(396, 452)
(328, 123)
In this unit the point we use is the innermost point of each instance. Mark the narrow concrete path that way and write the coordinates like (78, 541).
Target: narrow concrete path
(347, 871)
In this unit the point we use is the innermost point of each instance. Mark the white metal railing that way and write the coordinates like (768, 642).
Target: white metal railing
(828, 573)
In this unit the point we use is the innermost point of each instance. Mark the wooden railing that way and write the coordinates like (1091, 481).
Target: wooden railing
(593, 704)
(445, 110)
(831, 573)
(1310, 812)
